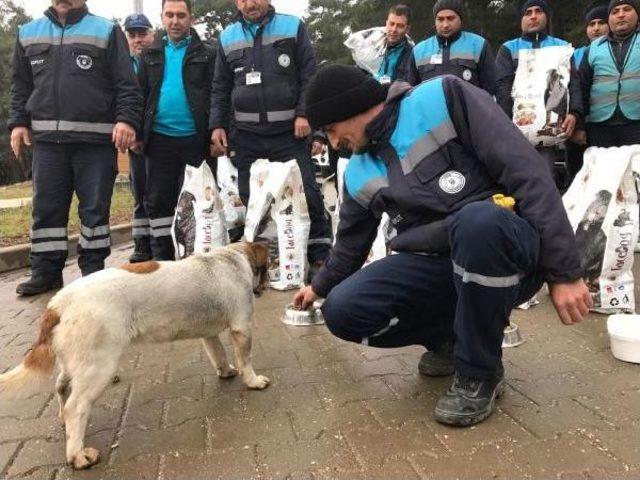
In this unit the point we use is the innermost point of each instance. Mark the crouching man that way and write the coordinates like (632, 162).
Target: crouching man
(436, 159)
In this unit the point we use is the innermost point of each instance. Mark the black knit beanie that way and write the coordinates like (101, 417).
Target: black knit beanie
(614, 3)
(455, 5)
(596, 10)
(339, 92)
(535, 3)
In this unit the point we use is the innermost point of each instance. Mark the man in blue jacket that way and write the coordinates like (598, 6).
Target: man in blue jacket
(264, 64)
(429, 158)
(610, 77)
(399, 47)
(452, 51)
(73, 90)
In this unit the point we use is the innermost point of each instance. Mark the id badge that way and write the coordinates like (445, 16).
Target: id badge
(254, 78)
(436, 59)
(385, 80)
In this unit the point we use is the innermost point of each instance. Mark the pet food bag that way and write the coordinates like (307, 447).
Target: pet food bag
(541, 94)
(278, 214)
(198, 224)
(368, 48)
(385, 231)
(602, 205)
(234, 210)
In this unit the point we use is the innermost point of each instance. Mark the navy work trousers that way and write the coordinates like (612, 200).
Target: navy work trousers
(138, 179)
(249, 147)
(59, 170)
(606, 136)
(411, 299)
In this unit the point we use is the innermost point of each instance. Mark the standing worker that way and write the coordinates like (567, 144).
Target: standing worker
(610, 77)
(175, 77)
(139, 33)
(265, 62)
(74, 91)
(399, 47)
(453, 51)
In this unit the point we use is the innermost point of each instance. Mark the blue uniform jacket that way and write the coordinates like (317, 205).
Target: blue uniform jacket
(433, 150)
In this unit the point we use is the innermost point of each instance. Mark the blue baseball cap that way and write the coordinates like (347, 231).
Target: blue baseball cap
(137, 21)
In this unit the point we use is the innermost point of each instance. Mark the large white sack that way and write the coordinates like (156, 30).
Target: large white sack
(278, 214)
(198, 224)
(368, 48)
(541, 94)
(234, 210)
(602, 205)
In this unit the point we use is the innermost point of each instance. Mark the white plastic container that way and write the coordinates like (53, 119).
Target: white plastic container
(624, 332)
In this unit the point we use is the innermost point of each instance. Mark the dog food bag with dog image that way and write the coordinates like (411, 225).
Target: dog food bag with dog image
(541, 94)
(602, 205)
(277, 200)
(234, 210)
(198, 225)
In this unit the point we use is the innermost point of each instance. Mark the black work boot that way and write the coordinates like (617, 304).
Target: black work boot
(39, 284)
(468, 400)
(437, 363)
(142, 250)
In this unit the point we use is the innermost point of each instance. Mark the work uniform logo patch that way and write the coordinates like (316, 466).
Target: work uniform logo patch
(85, 62)
(467, 75)
(452, 182)
(284, 60)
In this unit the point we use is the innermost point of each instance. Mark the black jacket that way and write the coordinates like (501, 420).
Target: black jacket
(72, 83)
(280, 50)
(197, 75)
(440, 127)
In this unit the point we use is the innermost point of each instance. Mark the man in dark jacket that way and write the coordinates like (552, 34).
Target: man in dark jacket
(610, 77)
(429, 158)
(74, 91)
(139, 33)
(452, 51)
(399, 46)
(264, 64)
(175, 77)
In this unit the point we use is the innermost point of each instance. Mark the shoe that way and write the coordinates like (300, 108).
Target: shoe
(314, 268)
(139, 257)
(469, 400)
(39, 284)
(437, 363)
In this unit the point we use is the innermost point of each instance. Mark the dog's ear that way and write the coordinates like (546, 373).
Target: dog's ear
(258, 255)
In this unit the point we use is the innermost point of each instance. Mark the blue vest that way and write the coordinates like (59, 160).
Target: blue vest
(514, 46)
(387, 71)
(578, 55)
(612, 88)
(91, 30)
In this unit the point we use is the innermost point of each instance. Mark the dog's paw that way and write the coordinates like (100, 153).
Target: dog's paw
(85, 458)
(228, 372)
(259, 382)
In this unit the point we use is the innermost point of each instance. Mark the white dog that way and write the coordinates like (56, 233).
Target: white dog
(89, 323)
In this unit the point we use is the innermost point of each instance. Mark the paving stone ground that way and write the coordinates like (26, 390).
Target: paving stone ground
(334, 410)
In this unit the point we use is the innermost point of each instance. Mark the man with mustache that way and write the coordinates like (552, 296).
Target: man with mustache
(75, 97)
(175, 77)
(453, 51)
(610, 77)
(265, 62)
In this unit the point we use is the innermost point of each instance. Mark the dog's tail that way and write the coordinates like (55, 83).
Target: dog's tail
(35, 370)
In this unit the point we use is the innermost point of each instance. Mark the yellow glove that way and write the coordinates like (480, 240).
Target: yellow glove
(505, 202)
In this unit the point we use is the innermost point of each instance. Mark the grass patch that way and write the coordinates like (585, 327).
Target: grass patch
(18, 190)
(15, 223)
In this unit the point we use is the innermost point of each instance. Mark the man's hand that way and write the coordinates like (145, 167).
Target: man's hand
(317, 148)
(569, 125)
(123, 136)
(304, 298)
(301, 127)
(19, 135)
(220, 143)
(579, 137)
(571, 300)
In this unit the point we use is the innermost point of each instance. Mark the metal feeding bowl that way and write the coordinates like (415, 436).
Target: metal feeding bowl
(303, 318)
(512, 336)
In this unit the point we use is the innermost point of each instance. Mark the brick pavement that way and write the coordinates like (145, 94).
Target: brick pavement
(334, 410)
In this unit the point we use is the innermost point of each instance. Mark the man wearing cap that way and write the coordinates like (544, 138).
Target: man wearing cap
(610, 77)
(175, 77)
(453, 51)
(139, 33)
(74, 92)
(596, 15)
(264, 65)
(429, 158)
(534, 24)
